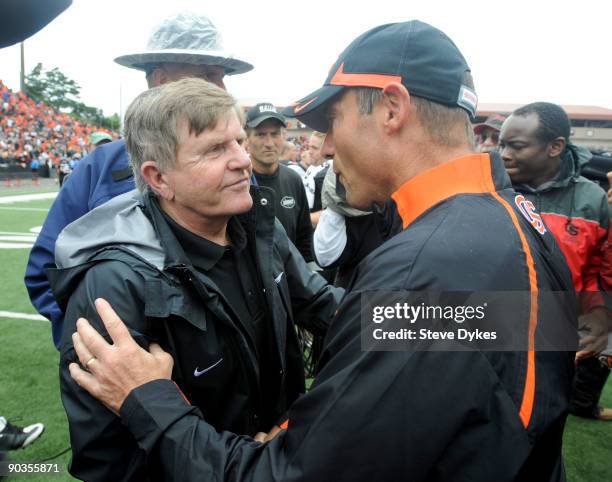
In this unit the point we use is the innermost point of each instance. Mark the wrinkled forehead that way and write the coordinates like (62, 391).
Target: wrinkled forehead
(227, 126)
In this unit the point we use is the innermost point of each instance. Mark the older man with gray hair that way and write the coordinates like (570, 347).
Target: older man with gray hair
(200, 266)
(183, 45)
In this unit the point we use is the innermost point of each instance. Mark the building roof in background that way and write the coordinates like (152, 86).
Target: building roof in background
(582, 112)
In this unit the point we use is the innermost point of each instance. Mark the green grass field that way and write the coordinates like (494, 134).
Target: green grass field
(29, 382)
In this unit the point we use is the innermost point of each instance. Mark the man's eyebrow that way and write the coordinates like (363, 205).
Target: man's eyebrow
(216, 139)
(225, 137)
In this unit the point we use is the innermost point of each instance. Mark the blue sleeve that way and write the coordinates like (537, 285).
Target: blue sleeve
(89, 185)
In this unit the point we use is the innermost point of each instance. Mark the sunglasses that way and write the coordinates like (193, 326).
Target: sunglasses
(493, 135)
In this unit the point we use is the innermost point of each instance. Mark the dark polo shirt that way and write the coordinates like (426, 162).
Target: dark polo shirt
(232, 268)
(291, 207)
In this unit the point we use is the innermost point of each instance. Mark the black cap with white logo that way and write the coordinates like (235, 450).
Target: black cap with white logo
(262, 112)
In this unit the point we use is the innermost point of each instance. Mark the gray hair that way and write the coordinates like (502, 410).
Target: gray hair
(437, 119)
(154, 118)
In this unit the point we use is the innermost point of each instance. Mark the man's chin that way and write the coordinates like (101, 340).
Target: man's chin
(359, 203)
(240, 204)
(515, 175)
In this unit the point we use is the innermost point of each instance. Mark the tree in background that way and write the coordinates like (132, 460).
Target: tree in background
(62, 93)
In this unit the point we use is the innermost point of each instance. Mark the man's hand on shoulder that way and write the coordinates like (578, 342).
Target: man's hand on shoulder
(110, 372)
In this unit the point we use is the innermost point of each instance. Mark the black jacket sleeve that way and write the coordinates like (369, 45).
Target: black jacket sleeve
(369, 416)
(318, 181)
(102, 447)
(304, 231)
(312, 300)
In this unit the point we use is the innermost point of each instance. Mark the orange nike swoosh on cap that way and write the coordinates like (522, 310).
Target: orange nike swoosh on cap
(299, 108)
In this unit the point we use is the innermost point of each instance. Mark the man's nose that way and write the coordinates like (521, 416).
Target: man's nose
(489, 142)
(327, 149)
(240, 158)
(504, 152)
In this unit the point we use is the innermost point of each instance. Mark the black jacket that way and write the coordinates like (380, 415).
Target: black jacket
(291, 206)
(126, 253)
(409, 415)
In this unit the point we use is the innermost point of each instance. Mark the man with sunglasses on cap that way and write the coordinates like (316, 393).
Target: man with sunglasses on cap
(396, 108)
(184, 45)
(487, 133)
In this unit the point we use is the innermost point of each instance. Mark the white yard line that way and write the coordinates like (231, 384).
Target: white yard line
(21, 316)
(16, 245)
(27, 197)
(24, 209)
(24, 238)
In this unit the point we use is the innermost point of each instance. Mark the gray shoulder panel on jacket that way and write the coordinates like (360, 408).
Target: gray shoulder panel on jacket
(118, 222)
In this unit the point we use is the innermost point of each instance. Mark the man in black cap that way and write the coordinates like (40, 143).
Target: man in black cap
(265, 129)
(396, 108)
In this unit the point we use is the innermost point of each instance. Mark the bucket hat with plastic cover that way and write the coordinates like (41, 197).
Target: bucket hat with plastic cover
(414, 53)
(185, 38)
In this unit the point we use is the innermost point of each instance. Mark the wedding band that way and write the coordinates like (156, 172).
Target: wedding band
(90, 361)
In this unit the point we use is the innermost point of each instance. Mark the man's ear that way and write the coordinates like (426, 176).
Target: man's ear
(397, 107)
(157, 180)
(556, 147)
(157, 77)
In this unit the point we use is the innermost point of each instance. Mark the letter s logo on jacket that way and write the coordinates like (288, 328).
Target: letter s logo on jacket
(528, 210)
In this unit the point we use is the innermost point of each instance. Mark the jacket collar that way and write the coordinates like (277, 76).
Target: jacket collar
(471, 174)
(260, 218)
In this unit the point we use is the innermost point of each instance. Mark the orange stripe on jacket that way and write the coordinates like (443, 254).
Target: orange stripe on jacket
(435, 185)
(530, 379)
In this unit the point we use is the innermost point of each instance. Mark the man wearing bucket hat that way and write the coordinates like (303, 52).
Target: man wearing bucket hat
(396, 108)
(184, 45)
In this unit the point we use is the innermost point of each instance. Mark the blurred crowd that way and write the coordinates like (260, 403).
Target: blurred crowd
(32, 131)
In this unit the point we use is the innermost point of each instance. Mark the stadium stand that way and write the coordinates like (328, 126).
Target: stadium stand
(34, 131)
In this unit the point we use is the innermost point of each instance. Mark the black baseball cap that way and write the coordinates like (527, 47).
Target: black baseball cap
(262, 112)
(414, 53)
